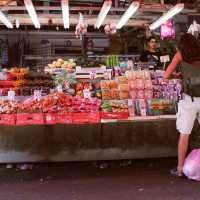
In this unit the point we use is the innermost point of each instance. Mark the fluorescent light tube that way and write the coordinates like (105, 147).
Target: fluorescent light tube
(65, 13)
(5, 20)
(172, 12)
(32, 13)
(128, 14)
(104, 11)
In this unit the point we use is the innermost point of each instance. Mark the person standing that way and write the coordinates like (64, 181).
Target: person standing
(188, 57)
(152, 53)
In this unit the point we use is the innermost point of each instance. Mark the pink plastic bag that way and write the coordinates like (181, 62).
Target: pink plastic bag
(191, 167)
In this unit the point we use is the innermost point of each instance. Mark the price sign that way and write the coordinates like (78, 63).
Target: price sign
(165, 59)
(11, 95)
(59, 88)
(37, 94)
(86, 94)
(93, 75)
(78, 68)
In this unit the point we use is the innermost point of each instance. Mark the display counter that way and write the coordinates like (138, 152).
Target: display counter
(109, 140)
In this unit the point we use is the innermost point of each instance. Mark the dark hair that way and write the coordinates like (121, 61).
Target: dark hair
(189, 48)
(151, 38)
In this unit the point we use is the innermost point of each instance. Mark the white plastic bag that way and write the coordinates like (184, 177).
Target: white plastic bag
(191, 167)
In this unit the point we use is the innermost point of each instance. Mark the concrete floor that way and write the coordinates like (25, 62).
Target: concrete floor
(142, 180)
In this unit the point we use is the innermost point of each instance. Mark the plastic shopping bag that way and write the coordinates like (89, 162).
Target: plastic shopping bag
(191, 167)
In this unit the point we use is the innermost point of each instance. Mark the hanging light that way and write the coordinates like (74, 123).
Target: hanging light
(128, 14)
(65, 13)
(32, 13)
(172, 12)
(103, 13)
(5, 20)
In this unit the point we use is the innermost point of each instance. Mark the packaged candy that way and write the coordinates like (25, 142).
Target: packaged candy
(140, 94)
(139, 84)
(123, 86)
(114, 94)
(148, 94)
(133, 94)
(148, 84)
(106, 95)
(123, 94)
(132, 84)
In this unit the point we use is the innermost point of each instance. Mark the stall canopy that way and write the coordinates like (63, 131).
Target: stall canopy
(40, 14)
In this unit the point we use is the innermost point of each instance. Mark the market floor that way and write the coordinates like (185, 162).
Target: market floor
(135, 180)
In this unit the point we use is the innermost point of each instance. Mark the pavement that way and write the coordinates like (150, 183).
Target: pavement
(114, 180)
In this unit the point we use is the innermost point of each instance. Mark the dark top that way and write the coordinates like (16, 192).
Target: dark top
(148, 56)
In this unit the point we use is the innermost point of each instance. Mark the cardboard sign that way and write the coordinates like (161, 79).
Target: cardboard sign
(11, 95)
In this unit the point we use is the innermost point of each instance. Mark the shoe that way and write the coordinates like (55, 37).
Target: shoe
(176, 173)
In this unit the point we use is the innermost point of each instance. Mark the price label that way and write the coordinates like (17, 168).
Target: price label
(11, 95)
(37, 94)
(59, 88)
(93, 75)
(165, 59)
(86, 94)
(78, 68)
(52, 91)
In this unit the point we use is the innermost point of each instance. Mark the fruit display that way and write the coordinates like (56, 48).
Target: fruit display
(8, 107)
(52, 103)
(112, 61)
(93, 87)
(34, 80)
(60, 63)
(89, 63)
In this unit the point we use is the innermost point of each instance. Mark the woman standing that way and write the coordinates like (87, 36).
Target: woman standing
(188, 57)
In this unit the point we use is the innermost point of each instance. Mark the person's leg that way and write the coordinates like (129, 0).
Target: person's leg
(182, 150)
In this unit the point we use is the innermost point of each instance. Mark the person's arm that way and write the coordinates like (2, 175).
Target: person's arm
(173, 65)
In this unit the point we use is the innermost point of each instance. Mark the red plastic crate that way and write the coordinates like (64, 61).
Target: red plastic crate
(119, 115)
(64, 118)
(30, 119)
(7, 119)
(6, 83)
(51, 118)
(86, 118)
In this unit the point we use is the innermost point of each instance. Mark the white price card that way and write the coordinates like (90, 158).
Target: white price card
(86, 94)
(164, 59)
(93, 75)
(78, 68)
(59, 88)
(11, 95)
(37, 94)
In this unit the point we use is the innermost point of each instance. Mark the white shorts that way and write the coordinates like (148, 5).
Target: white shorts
(188, 112)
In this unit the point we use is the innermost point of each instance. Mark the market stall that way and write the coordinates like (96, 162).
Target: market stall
(95, 107)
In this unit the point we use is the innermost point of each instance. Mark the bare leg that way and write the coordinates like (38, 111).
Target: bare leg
(182, 150)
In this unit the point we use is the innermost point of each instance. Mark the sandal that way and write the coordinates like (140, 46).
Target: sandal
(176, 173)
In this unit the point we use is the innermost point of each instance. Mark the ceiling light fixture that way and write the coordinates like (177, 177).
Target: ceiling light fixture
(65, 13)
(128, 14)
(5, 20)
(32, 13)
(171, 13)
(104, 11)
